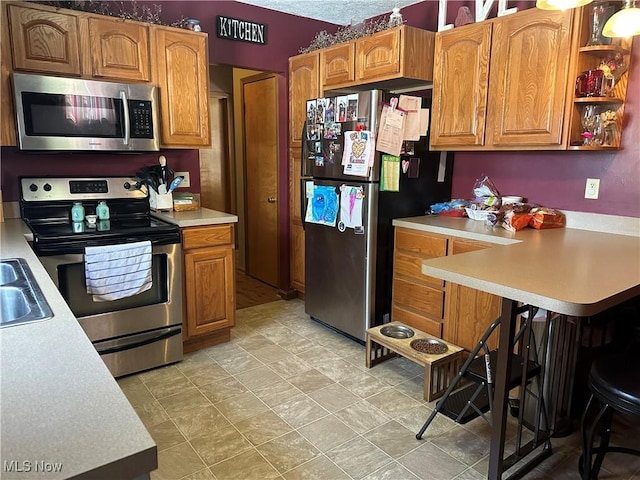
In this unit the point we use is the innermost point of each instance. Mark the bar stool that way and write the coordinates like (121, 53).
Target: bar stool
(614, 380)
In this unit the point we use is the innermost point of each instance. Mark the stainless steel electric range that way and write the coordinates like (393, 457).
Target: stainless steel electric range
(131, 334)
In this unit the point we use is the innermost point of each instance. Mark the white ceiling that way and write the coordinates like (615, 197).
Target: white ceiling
(341, 12)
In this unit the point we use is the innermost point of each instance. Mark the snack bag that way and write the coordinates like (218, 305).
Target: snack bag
(546, 218)
(513, 221)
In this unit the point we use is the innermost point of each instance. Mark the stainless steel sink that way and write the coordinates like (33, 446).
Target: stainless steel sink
(21, 299)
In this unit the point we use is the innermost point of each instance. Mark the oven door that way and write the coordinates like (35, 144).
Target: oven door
(158, 307)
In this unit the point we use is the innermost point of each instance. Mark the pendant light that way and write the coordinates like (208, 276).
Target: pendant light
(561, 4)
(625, 23)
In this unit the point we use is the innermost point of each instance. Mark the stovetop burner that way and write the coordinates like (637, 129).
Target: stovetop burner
(46, 205)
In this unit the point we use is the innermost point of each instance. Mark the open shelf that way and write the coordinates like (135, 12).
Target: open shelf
(603, 50)
(598, 148)
(598, 100)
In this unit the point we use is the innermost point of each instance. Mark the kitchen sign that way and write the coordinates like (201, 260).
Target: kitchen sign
(241, 30)
(482, 11)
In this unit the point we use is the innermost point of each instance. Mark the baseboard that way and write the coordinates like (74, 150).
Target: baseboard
(288, 294)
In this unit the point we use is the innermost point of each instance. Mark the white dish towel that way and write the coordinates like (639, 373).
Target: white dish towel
(117, 271)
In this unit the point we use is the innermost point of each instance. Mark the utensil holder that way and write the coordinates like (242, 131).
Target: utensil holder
(159, 201)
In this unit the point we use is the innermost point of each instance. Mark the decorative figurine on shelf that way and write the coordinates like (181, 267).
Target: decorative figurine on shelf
(600, 12)
(464, 17)
(395, 18)
(608, 120)
(613, 64)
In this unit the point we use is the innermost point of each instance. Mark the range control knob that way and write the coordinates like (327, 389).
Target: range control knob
(33, 187)
(47, 187)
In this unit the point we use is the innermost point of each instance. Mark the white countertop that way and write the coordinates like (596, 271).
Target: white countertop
(565, 270)
(194, 218)
(58, 402)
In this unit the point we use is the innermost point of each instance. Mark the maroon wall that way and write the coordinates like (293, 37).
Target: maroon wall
(286, 34)
(15, 164)
(554, 179)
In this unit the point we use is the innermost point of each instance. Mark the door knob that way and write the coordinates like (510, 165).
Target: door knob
(271, 199)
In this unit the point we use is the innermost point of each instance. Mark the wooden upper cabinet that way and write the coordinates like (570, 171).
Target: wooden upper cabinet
(460, 86)
(398, 53)
(304, 83)
(337, 64)
(378, 55)
(44, 41)
(182, 73)
(119, 50)
(530, 64)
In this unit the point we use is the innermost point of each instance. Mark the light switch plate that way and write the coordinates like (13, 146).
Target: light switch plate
(185, 183)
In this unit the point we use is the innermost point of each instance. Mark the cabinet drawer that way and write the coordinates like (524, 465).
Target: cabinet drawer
(420, 298)
(420, 244)
(199, 237)
(411, 266)
(427, 325)
(463, 246)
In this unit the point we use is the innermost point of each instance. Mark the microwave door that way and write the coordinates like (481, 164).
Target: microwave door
(84, 115)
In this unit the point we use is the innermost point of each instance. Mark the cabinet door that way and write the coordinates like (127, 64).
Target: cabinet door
(210, 289)
(304, 81)
(183, 76)
(296, 252)
(469, 311)
(530, 64)
(7, 120)
(44, 41)
(297, 256)
(460, 86)
(119, 50)
(378, 55)
(337, 65)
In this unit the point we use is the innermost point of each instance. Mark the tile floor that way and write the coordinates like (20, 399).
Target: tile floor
(290, 399)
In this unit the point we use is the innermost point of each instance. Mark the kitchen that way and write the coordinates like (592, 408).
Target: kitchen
(549, 179)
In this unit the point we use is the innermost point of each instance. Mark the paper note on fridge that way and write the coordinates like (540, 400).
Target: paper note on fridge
(391, 130)
(358, 154)
(322, 206)
(350, 207)
(412, 123)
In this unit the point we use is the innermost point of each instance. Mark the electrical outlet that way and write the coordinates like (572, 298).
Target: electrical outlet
(185, 183)
(592, 188)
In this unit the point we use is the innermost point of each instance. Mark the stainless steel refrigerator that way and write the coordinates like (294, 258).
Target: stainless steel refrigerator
(348, 270)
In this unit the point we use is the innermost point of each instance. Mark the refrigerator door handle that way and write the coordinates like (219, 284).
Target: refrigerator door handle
(304, 151)
(303, 203)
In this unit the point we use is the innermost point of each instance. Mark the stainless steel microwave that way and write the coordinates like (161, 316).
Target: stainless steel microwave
(55, 113)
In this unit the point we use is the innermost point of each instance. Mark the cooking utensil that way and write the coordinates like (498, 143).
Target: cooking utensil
(162, 160)
(175, 183)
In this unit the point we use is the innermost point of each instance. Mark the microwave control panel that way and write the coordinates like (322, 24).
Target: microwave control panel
(141, 118)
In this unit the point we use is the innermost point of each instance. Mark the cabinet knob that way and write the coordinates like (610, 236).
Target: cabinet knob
(271, 199)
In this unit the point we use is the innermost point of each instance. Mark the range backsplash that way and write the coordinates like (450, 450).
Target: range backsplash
(15, 164)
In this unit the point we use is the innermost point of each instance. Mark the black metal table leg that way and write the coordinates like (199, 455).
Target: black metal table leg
(501, 393)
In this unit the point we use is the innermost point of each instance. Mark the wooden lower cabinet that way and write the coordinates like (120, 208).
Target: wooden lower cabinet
(458, 314)
(418, 300)
(469, 311)
(209, 285)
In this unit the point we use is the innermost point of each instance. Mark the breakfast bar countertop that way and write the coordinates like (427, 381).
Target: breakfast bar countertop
(62, 414)
(565, 270)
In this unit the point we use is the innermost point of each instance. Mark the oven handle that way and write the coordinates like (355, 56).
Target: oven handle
(168, 333)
